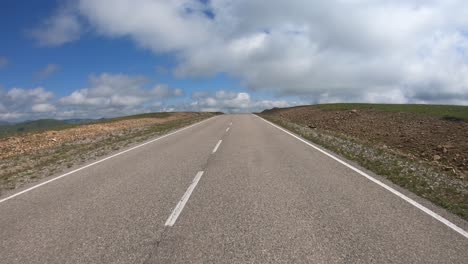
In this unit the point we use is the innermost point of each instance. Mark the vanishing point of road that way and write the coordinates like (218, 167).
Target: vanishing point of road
(231, 189)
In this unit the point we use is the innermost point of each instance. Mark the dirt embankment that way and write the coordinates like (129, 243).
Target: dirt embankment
(442, 142)
(33, 142)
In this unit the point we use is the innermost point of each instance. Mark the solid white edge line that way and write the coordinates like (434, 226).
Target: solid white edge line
(181, 204)
(227, 129)
(99, 161)
(217, 146)
(397, 193)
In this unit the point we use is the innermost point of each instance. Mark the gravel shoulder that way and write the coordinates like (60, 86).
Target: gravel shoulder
(30, 157)
(424, 154)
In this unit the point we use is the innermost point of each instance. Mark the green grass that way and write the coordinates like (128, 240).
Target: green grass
(448, 112)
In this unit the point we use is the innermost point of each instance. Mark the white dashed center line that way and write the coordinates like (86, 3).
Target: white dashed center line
(217, 146)
(180, 206)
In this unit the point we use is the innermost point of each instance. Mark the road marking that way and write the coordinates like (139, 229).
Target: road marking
(388, 188)
(230, 124)
(217, 146)
(181, 204)
(227, 129)
(99, 161)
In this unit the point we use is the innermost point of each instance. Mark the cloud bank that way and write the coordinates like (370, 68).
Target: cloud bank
(107, 95)
(61, 28)
(386, 51)
(18, 103)
(231, 102)
(110, 95)
(360, 50)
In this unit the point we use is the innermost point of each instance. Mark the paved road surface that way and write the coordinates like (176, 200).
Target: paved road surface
(263, 197)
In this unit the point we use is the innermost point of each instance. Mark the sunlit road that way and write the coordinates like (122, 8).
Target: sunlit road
(232, 189)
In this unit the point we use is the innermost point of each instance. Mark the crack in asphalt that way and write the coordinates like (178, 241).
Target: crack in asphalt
(153, 254)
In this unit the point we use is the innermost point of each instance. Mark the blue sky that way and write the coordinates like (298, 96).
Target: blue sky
(95, 58)
(91, 55)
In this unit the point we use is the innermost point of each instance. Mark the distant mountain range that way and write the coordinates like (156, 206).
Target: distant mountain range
(42, 124)
(81, 121)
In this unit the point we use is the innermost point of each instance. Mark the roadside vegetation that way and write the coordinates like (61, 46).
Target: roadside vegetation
(27, 157)
(416, 147)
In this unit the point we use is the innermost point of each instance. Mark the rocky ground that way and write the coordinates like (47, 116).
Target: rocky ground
(423, 153)
(33, 142)
(28, 157)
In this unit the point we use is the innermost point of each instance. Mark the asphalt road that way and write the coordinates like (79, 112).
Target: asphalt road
(209, 194)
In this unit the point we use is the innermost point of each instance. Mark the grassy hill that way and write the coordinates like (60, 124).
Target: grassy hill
(29, 126)
(447, 112)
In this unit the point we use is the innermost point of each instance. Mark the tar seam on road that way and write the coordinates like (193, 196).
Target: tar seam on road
(99, 161)
(388, 188)
(217, 146)
(180, 206)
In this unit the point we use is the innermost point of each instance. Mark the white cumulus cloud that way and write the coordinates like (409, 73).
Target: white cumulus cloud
(325, 50)
(61, 28)
(231, 102)
(43, 108)
(47, 71)
(107, 95)
(164, 91)
(117, 94)
(109, 90)
(19, 103)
